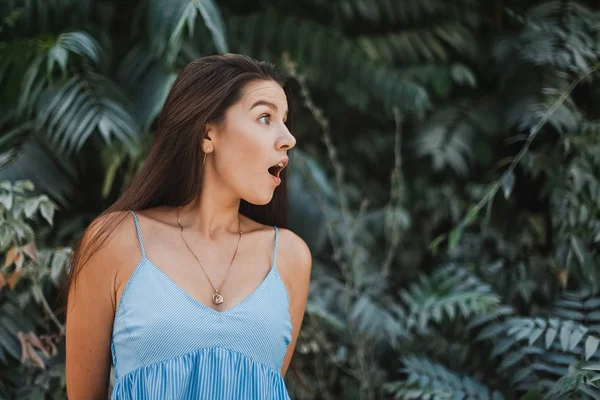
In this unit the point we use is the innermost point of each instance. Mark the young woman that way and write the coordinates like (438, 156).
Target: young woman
(190, 285)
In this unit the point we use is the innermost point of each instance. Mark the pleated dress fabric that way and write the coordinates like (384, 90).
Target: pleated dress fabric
(167, 345)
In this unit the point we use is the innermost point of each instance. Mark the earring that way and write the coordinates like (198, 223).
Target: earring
(207, 150)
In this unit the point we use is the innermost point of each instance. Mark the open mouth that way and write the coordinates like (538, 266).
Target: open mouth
(275, 170)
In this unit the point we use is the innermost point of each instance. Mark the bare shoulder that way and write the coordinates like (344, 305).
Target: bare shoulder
(293, 249)
(294, 262)
(110, 252)
(112, 234)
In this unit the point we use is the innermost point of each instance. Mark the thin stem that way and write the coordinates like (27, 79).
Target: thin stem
(397, 181)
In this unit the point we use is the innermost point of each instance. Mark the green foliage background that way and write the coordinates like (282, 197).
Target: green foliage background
(447, 180)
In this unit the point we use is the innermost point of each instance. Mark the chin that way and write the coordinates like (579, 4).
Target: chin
(259, 200)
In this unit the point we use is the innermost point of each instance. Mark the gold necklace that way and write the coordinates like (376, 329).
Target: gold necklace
(217, 297)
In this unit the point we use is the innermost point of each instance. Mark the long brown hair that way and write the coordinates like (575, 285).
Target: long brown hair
(170, 174)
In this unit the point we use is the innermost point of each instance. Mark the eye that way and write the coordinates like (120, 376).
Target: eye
(266, 119)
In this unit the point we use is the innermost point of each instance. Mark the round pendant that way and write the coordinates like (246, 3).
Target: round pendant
(217, 298)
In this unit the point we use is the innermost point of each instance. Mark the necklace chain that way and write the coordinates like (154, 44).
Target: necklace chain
(217, 297)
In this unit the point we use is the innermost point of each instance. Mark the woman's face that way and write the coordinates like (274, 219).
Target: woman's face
(250, 146)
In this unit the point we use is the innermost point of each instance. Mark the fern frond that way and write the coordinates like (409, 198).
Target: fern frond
(536, 91)
(427, 44)
(569, 333)
(449, 134)
(426, 378)
(169, 20)
(582, 307)
(451, 291)
(328, 300)
(556, 34)
(326, 57)
(71, 111)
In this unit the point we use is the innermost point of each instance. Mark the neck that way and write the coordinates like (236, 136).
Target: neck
(213, 213)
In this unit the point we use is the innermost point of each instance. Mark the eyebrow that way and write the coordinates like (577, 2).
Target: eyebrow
(268, 104)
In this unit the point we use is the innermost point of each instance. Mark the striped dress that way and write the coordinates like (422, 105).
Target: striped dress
(167, 345)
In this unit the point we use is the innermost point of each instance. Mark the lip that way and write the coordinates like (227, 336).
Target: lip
(284, 161)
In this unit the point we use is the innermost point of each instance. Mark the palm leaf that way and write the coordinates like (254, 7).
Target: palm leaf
(36, 78)
(148, 81)
(169, 19)
(85, 104)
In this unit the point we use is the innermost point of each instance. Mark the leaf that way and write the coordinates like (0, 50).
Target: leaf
(511, 359)
(31, 251)
(576, 336)
(591, 345)
(47, 209)
(31, 207)
(59, 262)
(550, 335)
(213, 20)
(507, 181)
(151, 93)
(565, 334)
(170, 19)
(578, 247)
(7, 200)
(11, 256)
(57, 54)
(83, 44)
(24, 186)
(455, 236)
(535, 335)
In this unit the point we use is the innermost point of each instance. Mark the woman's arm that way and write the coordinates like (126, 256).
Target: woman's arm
(90, 316)
(295, 263)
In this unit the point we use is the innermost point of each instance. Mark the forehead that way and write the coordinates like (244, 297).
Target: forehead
(265, 90)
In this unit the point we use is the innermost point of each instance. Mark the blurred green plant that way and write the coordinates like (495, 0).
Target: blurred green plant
(27, 276)
(412, 116)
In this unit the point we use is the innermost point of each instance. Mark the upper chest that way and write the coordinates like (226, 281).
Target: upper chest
(198, 268)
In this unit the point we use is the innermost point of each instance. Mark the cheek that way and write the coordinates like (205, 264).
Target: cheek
(246, 154)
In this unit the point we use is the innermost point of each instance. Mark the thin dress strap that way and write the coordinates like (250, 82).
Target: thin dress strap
(275, 247)
(139, 233)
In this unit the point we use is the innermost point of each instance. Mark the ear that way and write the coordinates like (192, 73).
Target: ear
(208, 141)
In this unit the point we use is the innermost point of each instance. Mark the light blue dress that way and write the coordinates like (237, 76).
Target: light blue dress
(167, 345)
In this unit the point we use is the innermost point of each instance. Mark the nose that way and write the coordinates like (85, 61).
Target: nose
(286, 140)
